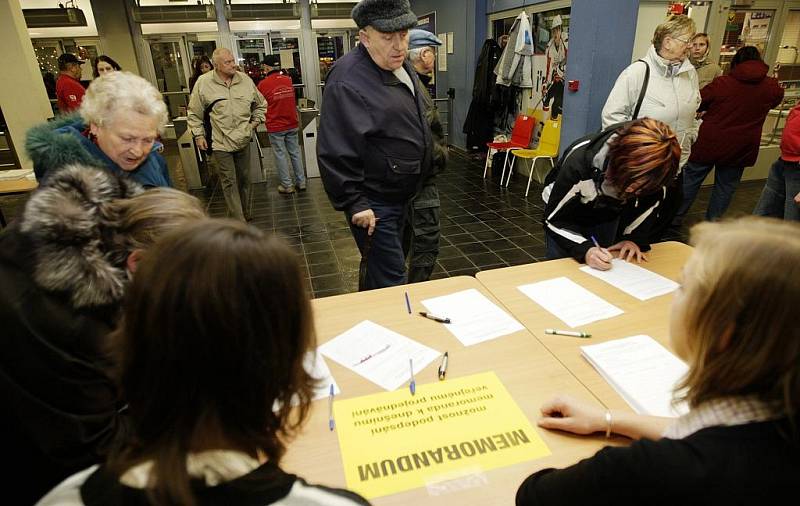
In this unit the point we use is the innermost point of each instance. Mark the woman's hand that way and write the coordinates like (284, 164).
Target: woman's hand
(572, 415)
(598, 258)
(629, 250)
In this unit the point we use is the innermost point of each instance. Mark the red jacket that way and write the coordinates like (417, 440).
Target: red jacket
(69, 92)
(736, 106)
(281, 111)
(790, 140)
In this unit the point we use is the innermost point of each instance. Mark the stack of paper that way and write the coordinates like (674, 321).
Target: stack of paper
(569, 301)
(634, 280)
(642, 371)
(474, 318)
(378, 354)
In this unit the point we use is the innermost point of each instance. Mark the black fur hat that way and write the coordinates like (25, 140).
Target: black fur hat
(386, 16)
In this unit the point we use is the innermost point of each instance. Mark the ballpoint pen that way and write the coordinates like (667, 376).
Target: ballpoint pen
(597, 244)
(408, 304)
(434, 317)
(570, 333)
(443, 367)
(413, 385)
(331, 421)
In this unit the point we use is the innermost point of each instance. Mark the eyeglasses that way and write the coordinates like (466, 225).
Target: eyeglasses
(686, 42)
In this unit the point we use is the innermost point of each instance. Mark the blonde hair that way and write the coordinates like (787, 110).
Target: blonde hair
(144, 218)
(745, 280)
(674, 25)
(120, 92)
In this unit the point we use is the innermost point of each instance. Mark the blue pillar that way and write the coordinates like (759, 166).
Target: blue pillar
(601, 35)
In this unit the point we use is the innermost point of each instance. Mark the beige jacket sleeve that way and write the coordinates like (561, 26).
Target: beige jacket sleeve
(195, 113)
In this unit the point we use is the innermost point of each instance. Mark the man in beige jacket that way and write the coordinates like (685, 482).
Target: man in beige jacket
(235, 108)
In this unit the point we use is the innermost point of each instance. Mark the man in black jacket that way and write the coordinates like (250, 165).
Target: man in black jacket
(374, 141)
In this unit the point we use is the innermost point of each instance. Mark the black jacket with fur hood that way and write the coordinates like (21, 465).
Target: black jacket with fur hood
(62, 277)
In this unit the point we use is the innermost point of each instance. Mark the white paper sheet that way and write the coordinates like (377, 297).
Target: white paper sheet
(474, 318)
(633, 279)
(378, 354)
(569, 301)
(642, 371)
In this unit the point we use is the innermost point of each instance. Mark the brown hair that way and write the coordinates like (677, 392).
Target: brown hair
(215, 329)
(674, 25)
(744, 278)
(700, 34)
(645, 150)
(149, 215)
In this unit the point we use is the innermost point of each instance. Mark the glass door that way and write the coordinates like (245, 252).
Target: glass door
(288, 48)
(86, 49)
(251, 54)
(745, 27)
(329, 48)
(170, 65)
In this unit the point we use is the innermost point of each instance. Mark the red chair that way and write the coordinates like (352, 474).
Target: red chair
(520, 139)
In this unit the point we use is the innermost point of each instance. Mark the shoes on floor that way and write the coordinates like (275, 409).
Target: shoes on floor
(283, 189)
(301, 187)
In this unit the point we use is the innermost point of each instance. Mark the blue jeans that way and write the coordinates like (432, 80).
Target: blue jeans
(726, 180)
(777, 198)
(382, 261)
(283, 143)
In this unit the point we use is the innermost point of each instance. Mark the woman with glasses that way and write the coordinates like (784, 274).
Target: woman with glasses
(626, 166)
(670, 82)
(664, 86)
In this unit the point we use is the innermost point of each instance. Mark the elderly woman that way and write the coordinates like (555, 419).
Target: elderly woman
(64, 268)
(670, 80)
(117, 128)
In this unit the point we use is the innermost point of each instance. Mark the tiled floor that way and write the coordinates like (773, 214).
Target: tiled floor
(483, 226)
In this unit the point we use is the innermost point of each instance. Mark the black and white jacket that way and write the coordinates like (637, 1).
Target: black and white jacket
(576, 203)
(267, 484)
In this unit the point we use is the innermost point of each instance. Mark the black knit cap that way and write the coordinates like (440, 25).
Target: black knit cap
(386, 16)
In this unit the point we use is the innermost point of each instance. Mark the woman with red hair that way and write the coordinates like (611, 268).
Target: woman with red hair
(623, 170)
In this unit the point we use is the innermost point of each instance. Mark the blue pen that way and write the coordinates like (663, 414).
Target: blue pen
(600, 247)
(408, 304)
(413, 385)
(331, 421)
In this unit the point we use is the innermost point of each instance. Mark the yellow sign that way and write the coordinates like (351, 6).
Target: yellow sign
(395, 441)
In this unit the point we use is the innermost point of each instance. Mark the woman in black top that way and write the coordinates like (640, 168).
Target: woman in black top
(734, 322)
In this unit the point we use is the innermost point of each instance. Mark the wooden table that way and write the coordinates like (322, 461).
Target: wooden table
(649, 317)
(15, 187)
(529, 372)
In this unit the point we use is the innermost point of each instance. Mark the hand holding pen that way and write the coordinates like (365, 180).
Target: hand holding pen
(598, 257)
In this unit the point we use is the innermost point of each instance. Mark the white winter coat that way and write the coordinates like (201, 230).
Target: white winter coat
(671, 99)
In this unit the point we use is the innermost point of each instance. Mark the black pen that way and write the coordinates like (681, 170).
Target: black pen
(434, 317)
(443, 367)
